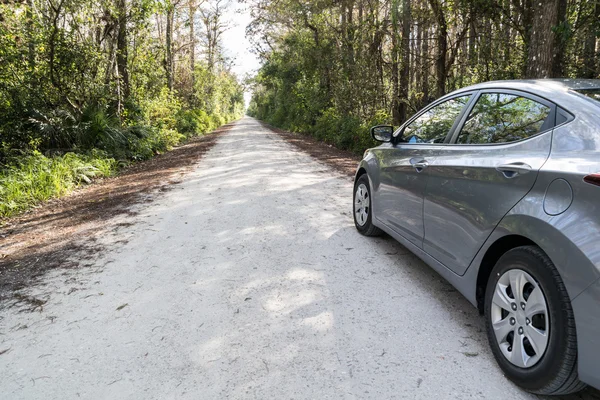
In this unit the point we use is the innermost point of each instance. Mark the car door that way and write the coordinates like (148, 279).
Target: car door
(402, 180)
(491, 163)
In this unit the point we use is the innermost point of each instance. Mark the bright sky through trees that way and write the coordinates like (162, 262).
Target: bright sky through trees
(237, 46)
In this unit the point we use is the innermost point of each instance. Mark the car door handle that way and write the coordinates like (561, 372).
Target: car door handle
(421, 165)
(513, 169)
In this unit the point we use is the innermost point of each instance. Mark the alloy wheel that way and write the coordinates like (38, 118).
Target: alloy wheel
(520, 319)
(362, 204)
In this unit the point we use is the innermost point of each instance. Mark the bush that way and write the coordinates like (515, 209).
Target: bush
(217, 120)
(100, 139)
(164, 139)
(194, 122)
(344, 132)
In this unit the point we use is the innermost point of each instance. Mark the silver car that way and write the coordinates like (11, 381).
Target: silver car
(497, 187)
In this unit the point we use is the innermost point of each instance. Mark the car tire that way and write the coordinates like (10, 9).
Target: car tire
(364, 219)
(554, 370)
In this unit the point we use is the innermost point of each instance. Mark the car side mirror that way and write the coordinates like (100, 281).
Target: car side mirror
(382, 133)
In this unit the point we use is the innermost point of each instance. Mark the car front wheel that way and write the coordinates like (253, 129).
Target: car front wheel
(530, 323)
(362, 210)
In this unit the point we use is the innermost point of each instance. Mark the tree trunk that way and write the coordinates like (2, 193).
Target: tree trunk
(442, 47)
(507, 36)
(590, 57)
(486, 48)
(406, 24)
(192, 11)
(418, 56)
(426, 65)
(30, 38)
(169, 46)
(560, 41)
(350, 36)
(472, 57)
(547, 40)
(527, 17)
(395, 67)
(122, 68)
(52, 45)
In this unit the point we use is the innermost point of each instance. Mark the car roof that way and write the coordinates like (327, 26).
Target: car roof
(559, 91)
(542, 85)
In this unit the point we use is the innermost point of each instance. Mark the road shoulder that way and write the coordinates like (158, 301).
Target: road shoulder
(343, 161)
(46, 237)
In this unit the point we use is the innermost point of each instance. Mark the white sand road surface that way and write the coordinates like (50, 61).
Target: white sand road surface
(248, 280)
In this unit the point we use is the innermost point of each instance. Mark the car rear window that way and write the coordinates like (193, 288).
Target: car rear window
(503, 118)
(593, 94)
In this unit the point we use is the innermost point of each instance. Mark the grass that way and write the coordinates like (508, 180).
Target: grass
(35, 178)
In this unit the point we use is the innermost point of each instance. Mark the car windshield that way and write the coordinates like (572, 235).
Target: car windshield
(593, 94)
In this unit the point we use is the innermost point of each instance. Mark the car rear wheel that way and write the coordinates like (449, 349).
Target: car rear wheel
(530, 323)
(362, 209)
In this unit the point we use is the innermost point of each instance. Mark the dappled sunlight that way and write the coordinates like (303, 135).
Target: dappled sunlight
(322, 322)
(279, 230)
(287, 302)
(247, 285)
(279, 264)
(209, 351)
(305, 275)
(32, 243)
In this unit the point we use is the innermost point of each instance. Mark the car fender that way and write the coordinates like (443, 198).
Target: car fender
(575, 267)
(370, 164)
(564, 238)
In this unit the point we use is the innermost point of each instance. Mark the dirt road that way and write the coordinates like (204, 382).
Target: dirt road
(248, 280)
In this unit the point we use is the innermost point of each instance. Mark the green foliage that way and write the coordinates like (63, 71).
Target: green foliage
(331, 67)
(194, 122)
(67, 113)
(35, 177)
(296, 101)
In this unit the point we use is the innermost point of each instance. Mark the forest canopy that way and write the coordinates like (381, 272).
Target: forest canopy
(332, 68)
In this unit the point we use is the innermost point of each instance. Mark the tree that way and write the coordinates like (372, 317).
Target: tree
(192, 8)
(214, 27)
(591, 56)
(548, 36)
(404, 77)
(395, 70)
(333, 67)
(442, 47)
(169, 53)
(122, 68)
(79, 75)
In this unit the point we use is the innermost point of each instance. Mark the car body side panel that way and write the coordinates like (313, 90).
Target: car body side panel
(575, 268)
(399, 190)
(467, 196)
(461, 283)
(569, 238)
(567, 228)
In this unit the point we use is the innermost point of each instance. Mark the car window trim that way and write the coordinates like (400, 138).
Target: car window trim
(471, 93)
(551, 116)
(569, 117)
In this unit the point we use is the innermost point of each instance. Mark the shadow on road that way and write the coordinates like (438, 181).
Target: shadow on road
(43, 239)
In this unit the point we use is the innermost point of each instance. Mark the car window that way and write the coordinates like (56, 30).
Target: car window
(503, 118)
(434, 124)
